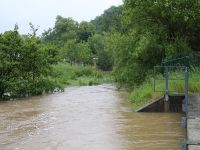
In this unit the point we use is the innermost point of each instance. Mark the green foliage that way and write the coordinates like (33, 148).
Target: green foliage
(194, 81)
(85, 30)
(177, 19)
(79, 42)
(65, 29)
(128, 57)
(105, 60)
(84, 71)
(77, 53)
(109, 20)
(105, 56)
(96, 43)
(129, 39)
(66, 74)
(152, 31)
(144, 93)
(24, 65)
(52, 52)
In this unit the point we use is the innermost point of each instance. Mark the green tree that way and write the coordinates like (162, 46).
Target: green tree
(25, 65)
(83, 53)
(52, 53)
(109, 21)
(86, 30)
(174, 20)
(65, 29)
(10, 54)
(77, 52)
(105, 56)
(153, 30)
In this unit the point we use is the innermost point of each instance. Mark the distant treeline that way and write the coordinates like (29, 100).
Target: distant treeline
(129, 39)
(81, 42)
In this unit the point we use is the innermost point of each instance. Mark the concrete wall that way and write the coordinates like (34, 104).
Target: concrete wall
(173, 105)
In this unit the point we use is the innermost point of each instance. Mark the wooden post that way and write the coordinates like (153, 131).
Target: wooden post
(95, 63)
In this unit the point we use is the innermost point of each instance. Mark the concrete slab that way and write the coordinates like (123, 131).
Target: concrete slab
(193, 131)
(193, 147)
(193, 123)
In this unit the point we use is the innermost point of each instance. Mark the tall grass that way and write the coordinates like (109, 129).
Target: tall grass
(66, 74)
(145, 93)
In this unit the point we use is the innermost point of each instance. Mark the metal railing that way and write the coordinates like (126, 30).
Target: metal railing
(191, 60)
(167, 77)
(177, 70)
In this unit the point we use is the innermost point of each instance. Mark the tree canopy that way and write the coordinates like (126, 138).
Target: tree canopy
(129, 39)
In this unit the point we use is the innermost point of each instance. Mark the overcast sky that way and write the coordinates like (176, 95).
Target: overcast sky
(44, 12)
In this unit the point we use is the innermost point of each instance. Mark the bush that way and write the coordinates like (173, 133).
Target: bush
(66, 74)
(84, 71)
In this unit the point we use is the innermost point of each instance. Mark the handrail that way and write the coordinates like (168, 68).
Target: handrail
(192, 60)
(187, 57)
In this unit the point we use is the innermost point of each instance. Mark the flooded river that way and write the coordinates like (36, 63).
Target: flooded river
(85, 118)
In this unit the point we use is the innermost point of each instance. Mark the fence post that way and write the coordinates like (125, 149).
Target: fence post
(186, 90)
(166, 100)
(154, 78)
(166, 84)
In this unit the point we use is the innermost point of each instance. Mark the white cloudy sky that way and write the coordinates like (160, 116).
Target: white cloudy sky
(44, 12)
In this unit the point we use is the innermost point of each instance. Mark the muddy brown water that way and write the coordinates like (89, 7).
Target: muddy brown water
(85, 118)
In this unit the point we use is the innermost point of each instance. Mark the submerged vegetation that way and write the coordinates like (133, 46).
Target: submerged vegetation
(66, 74)
(30, 66)
(128, 40)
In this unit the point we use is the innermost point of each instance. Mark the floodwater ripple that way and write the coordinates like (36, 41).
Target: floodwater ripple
(85, 118)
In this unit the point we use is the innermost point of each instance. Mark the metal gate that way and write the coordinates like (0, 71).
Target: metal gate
(172, 80)
(173, 75)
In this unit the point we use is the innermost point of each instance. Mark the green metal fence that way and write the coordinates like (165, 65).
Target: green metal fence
(191, 60)
(168, 78)
(172, 79)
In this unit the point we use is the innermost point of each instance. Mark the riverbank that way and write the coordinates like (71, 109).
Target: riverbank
(61, 75)
(75, 75)
(145, 94)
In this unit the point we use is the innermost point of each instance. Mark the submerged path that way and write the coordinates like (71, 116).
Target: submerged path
(193, 123)
(85, 118)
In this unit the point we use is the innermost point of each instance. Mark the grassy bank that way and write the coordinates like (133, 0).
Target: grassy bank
(74, 75)
(145, 93)
(59, 76)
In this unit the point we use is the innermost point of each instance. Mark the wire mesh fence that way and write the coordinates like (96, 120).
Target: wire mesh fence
(170, 78)
(191, 60)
